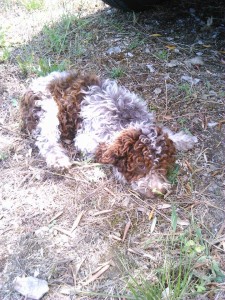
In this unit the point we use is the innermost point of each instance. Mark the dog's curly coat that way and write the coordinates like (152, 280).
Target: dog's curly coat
(105, 122)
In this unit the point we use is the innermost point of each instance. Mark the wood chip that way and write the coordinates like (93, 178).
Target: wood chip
(97, 275)
(127, 227)
(77, 221)
(163, 206)
(183, 222)
(115, 237)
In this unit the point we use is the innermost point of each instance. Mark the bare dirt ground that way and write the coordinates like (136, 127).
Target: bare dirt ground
(66, 228)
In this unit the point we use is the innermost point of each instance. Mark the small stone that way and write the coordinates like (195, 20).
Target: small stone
(114, 50)
(31, 287)
(166, 293)
(194, 61)
(128, 54)
(189, 79)
(157, 91)
(173, 63)
(213, 93)
(151, 68)
(42, 231)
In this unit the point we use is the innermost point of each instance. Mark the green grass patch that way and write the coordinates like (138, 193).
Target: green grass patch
(4, 49)
(172, 174)
(116, 72)
(186, 88)
(32, 5)
(137, 41)
(162, 55)
(68, 34)
(42, 67)
(187, 270)
(3, 156)
(45, 66)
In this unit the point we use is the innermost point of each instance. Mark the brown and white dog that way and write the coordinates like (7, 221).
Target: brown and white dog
(103, 121)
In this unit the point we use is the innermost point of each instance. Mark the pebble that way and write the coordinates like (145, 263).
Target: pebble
(31, 287)
(114, 50)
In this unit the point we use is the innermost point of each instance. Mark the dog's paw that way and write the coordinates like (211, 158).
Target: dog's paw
(59, 164)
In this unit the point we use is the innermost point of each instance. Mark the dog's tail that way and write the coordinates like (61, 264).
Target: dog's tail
(181, 140)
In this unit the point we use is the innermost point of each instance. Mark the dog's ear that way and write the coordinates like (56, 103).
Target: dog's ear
(104, 154)
(117, 152)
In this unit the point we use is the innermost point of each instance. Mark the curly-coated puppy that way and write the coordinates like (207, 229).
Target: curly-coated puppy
(103, 121)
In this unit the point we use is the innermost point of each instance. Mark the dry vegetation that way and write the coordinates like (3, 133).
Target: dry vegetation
(67, 229)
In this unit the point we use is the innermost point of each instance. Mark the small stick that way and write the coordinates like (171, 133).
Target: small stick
(96, 275)
(127, 227)
(56, 216)
(66, 232)
(102, 212)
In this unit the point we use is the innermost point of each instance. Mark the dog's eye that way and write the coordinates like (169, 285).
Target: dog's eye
(142, 167)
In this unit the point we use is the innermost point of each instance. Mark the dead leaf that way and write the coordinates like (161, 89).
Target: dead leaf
(77, 221)
(168, 118)
(153, 224)
(170, 47)
(156, 34)
(189, 166)
(220, 123)
(127, 227)
(207, 46)
(151, 214)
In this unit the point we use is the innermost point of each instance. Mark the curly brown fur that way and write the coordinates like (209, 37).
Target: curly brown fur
(132, 154)
(67, 92)
(29, 111)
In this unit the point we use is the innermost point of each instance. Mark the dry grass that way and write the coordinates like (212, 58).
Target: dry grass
(66, 228)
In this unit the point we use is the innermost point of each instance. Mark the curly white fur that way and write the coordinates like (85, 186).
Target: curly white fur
(106, 110)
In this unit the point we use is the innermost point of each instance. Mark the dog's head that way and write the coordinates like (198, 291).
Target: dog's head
(140, 156)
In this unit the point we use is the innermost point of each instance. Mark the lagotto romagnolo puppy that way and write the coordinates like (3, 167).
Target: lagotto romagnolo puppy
(103, 121)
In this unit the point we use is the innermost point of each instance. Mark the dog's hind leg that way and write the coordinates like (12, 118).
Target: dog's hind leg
(39, 119)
